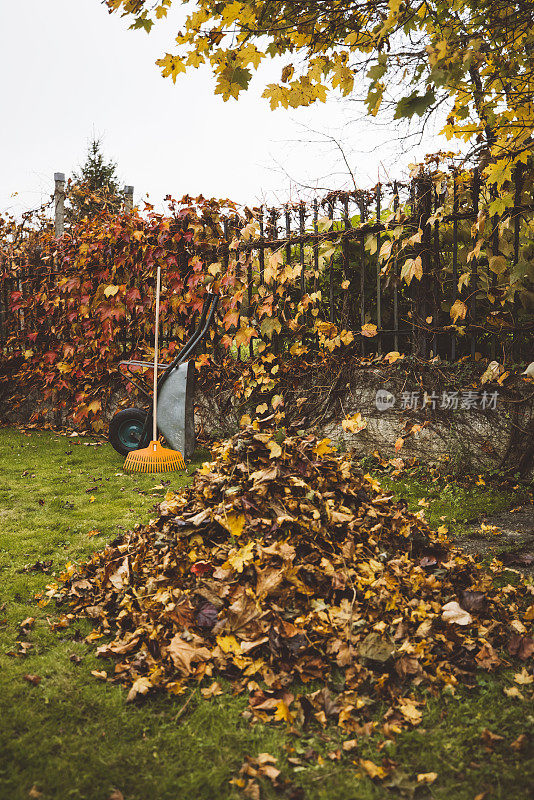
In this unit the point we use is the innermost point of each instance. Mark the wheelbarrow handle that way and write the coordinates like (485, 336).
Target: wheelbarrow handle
(206, 318)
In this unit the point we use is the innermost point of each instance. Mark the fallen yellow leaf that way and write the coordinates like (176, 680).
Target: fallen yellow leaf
(372, 769)
(427, 777)
(283, 713)
(240, 558)
(228, 644)
(274, 449)
(234, 523)
(323, 447)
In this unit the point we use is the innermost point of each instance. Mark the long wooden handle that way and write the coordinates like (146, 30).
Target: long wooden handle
(156, 340)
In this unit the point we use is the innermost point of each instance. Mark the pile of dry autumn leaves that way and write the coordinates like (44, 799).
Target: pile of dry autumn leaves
(283, 561)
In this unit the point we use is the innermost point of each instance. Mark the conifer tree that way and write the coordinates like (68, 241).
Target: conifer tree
(95, 187)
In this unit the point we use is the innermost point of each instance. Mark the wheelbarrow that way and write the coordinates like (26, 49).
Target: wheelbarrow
(131, 428)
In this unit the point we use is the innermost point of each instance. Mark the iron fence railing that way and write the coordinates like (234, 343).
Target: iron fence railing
(336, 241)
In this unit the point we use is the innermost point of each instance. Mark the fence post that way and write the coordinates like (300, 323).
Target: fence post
(59, 199)
(128, 198)
(422, 291)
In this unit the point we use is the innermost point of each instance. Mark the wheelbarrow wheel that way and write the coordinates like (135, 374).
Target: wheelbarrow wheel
(126, 430)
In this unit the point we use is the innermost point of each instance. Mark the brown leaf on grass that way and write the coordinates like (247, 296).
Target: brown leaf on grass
(23, 648)
(266, 766)
(212, 691)
(487, 658)
(519, 743)
(410, 712)
(27, 624)
(251, 790)
(116, 794)
(34, 792)
(521, 646)
(184, 654)
(253, 768)
(350, 744)
(489, 738)
(33, 679)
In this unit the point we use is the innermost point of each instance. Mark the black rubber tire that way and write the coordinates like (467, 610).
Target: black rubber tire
(125, 426)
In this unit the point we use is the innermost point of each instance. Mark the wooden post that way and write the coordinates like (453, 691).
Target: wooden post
(128, 198)
(59, 198)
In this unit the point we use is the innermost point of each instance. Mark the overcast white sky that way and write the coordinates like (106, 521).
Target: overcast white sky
(70, 69)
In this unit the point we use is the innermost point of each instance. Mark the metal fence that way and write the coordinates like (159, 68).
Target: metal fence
(356, 290)
(336, 242)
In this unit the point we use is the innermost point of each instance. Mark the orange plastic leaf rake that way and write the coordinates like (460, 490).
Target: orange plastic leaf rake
(154, 458)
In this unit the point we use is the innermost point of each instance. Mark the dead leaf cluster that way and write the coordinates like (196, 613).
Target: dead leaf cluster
(281, 561)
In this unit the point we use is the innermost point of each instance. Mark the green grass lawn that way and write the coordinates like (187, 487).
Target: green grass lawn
(460, 506)
(73, 736)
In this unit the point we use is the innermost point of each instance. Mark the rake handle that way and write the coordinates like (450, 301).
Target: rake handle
(156, 341)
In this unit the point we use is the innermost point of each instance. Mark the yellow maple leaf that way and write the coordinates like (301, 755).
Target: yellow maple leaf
(139, 686)
(283, 713)
(523, 678)
(323, 447)
(240, 558)
(234, 523)
(228, 644)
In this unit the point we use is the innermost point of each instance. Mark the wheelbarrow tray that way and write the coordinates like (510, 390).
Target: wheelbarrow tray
(176, 419)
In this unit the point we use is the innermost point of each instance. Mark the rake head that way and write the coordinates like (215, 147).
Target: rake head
(154, 458)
